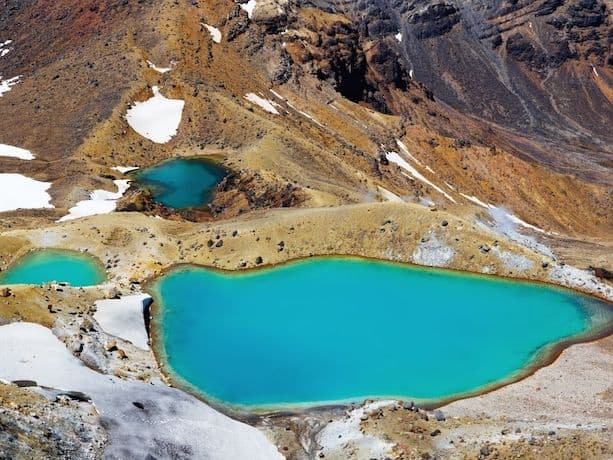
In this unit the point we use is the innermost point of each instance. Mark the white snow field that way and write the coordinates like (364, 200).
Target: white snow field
(100, 202)
(214, 32)
(4, 49)
(15, 152)
(21, 192)
(169, 422)
(265, 104)
(395, 157)
(249, 7)
(124, 169)
(6, 84)
(157, 118)
(159, 69)
(123, 318)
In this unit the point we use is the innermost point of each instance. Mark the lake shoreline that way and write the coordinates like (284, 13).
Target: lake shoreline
(546, 356)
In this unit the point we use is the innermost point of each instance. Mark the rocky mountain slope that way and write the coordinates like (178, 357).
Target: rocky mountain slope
(539, 68)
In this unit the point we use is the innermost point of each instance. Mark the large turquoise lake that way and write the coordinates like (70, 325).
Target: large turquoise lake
(182, 183)
(329, 330)
(47, 265)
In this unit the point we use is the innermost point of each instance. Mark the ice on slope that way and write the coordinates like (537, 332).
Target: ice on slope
(4, 49)
(15, 152)
(169, 422)
(265, 104)
(124, 318)
(159, 69)
(389, 196)
(394, 157)
(100, 202)
(157, 118)
(6, 84)
(214, 32)
(124, 169)
(21, 192)
(249, 7)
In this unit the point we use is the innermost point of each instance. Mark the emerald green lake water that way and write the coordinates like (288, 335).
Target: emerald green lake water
(47, 265)
(328, 330)
(182, 183)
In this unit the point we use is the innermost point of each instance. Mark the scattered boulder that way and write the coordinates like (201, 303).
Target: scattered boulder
(24, 383)
(5, 292)
(138, 404)
(600, 272)
(76, 395)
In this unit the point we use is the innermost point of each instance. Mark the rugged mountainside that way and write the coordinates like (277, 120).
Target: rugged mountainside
(484, 116)
(540, 68)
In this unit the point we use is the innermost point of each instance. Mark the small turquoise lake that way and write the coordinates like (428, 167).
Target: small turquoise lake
(182, 183)
(47, 265)
(330, 330)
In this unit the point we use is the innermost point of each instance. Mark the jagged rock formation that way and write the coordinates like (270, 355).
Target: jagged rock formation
(540, 68)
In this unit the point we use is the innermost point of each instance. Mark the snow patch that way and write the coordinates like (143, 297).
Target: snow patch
(15, 152)
(4, 49)
(404, 149)
(595, 71)
(214, 32)
(389, 196)
(171, 421)
(277, 94)
(398, 37)
(157, 118)
(124, 169)
(265, 104)
(394, 157)
(499, 212)
(343, 434)
(21, 192)
(124, 318)
(249, 7)
(433, 252)
(159, 69)
(475, 200)
(310, 117)
(6, 85)
(505, 223)
(100, 202)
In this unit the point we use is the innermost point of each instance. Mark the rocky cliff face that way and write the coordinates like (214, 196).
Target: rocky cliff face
(541, 68)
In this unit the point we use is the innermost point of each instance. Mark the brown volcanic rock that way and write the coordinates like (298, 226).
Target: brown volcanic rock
(539, 68)
(243, 191)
